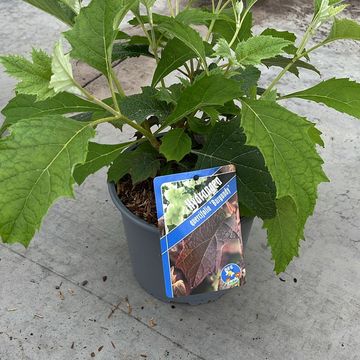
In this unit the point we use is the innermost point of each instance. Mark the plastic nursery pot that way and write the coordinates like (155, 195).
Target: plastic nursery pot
(144, 246)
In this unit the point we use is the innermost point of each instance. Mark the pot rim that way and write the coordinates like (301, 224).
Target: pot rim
(139, 221)
(125, 211)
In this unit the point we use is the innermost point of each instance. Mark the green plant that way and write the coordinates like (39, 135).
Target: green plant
(213, 114)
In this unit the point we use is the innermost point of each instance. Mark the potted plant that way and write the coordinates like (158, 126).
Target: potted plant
(203, 108)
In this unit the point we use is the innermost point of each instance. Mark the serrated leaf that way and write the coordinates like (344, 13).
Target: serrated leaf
(35, 76)
(174, 55)
(171, 94)
(194, 16)
(291, 157)
(340, 94)
(315, 136)
(282, 61)
(286, 35)
(210, 90)
(56, 8)
(344, 29)
(30, 184)
(98, 156)
(283, 233)
(122, 51)
(248, 78)
(95, 30)
(175, 144)
(141, 163)
(25, 106)
(157, 19)
(258, 48)
(185, 34)
(139, 107)
(226, 145)
(62, 78)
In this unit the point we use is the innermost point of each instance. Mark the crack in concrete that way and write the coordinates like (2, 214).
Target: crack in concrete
(103, 300)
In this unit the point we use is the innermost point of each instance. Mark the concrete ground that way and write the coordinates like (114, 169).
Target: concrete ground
(72, 295)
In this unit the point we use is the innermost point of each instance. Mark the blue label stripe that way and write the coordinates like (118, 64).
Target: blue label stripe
(186, 228)
(167, 275)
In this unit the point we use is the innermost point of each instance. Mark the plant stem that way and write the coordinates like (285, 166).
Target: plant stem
(238, 26)
(97, 101)
(118, 116)
(299, 54)
(188, 4)
(171, 8)
(113, 94)
(117, 83)
(152, 38)
(207, 37)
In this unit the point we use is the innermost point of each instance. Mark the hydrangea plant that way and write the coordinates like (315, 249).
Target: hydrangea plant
(203, 108)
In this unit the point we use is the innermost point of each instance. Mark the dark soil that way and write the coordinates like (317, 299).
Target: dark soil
(139, 198)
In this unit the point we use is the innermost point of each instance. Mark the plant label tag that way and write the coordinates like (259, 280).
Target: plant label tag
(200, 231)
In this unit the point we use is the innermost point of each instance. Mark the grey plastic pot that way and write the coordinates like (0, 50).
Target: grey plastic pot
(144, 246)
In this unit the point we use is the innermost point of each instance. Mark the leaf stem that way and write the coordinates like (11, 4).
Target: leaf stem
(239, 24)
(118, 116)
(97, 101)
(297, 57)
(212, 23)
(117, 83)
(171, 8)
(152, 39)
(112, 90)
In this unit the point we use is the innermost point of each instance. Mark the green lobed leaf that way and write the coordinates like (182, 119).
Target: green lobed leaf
(157, 19)
(258, 48)
(25, 106)
(248, 78)
(95, 30)
(195, 16)
(62, 78)
(340, 94)
(141, 163)
(210, 90)
(286, 35)
(30, 184)
(282, 61)
(122, 51)
(175, 144)
(34, 76)
(226, 145)
(185, 34)
(171, 94)
(344, 29)
(98, 156)
(56, 8)
(283, 233)
(291, 157)
(139, 107)
(174, 55)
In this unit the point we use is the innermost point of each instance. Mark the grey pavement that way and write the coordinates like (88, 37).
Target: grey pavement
(55, 304)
